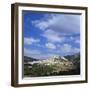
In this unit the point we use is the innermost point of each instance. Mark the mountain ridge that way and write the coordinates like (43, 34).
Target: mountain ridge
(66, 58)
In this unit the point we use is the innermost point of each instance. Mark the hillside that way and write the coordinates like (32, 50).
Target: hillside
(29, 59)
(56, 65)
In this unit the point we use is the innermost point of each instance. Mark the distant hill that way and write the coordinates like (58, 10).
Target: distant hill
(74, 58)
(29, 59)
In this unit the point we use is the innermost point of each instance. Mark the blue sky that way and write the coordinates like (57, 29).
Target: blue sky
(50, 34)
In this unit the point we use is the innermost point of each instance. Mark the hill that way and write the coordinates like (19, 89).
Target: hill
(56, 65)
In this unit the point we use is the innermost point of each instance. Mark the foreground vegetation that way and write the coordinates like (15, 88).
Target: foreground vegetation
(49, 70)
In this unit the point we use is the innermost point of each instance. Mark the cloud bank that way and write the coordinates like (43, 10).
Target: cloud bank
(56, 34)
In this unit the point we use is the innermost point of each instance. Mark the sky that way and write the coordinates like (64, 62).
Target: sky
(50, 34)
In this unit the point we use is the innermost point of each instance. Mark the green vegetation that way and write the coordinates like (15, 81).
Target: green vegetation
(39, 70)
(47, 70)
(52, 67)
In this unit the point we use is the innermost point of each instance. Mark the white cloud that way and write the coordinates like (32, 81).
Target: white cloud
(67, 49)
(71, 38)
(75, 50)
(29, 41)
(40, 24)
(52, 36)
(37, 54)
(31, 52)
(40, 45)
(77, 41)
(56, 27)
(52, 50)
(50, 46)
(64, 23)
